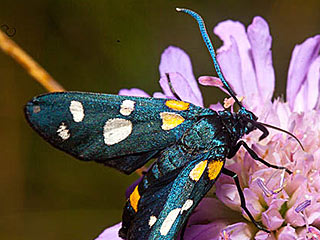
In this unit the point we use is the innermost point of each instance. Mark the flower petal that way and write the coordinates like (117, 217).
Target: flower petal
(252, 203)
(208, 219)
(272, 218)
(133, 92)
(313, 213)
(228, 194)
(239, 230)
(302, 57)
(282, 112)
(209, 231)
(237, 48)
(260, 40)
(313, 79)
(308, 95)
(210, 81)
(110, 233)
(166, 87)
(293, 218)
(212, 209)
(216, 107)
(261, 235)
(159, 95)
(175, 60)
(230, 63)
(287, 233)
(183, 89)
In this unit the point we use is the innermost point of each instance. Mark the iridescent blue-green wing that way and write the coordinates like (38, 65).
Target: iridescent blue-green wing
(161, 210)
(119, 131)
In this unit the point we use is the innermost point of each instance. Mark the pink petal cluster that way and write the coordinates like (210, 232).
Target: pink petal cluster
(250, 52)
(288, 205)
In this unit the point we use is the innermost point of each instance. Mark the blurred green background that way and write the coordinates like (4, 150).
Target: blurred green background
(103, 46)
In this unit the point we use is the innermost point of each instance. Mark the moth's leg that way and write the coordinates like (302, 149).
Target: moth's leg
(183, 230)
(252, 153)
(171, 88)
(242, 199)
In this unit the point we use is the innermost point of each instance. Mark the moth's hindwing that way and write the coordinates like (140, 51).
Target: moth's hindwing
(161, 210)
(122, 132)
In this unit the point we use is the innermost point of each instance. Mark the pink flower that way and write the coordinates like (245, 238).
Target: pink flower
(288, 205)
(251, 74)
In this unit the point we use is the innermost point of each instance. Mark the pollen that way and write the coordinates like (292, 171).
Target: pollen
(214, 168)
(170, 120)
(198, 170)
(134, 199)
(177, 105)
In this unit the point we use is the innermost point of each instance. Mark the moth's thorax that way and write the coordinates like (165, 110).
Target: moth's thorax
(206, 134)
(238, 124)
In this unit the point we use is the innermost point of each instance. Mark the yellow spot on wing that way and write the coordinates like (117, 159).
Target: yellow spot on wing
(198, 170)
(177, 105)
(170, 120)
(214, 168)
(134, 199)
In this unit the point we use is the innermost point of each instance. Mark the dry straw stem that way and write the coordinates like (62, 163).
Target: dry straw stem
(32, 67)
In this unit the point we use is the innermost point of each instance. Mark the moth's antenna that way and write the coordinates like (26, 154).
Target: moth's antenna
(208, 42)
(282, 130)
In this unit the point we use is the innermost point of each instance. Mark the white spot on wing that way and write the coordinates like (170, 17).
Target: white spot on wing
(127, 107)
(152, 220)
(63, 131)
(188, 204)
(168, 221)
(77, 111)
(115, 130)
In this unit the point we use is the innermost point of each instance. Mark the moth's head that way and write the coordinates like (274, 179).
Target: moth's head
(248, 119)
(250, 123)
(245, 114)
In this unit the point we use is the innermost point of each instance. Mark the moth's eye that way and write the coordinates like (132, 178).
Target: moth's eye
(249, 125)
(36, 109)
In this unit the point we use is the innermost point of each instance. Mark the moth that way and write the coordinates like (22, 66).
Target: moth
(190, 145)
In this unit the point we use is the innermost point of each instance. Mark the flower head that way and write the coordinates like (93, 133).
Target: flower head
(288, 205)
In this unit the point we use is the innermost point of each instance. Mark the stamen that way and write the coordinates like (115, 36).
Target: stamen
(230, 101)
(224, 235)
(282, 183)
(268, 192)
(312, 234)
(302, 206)
(264, 188)
(282, 178)
(301, 209)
